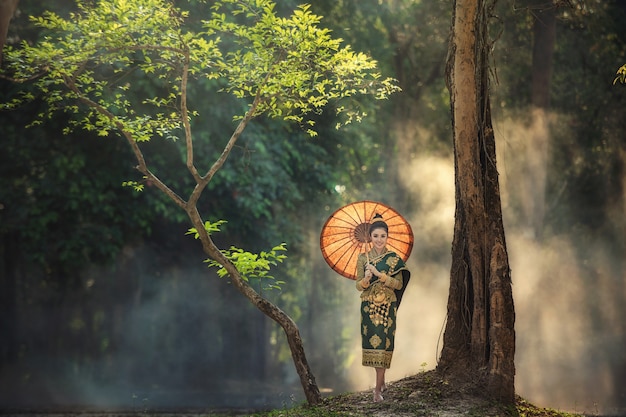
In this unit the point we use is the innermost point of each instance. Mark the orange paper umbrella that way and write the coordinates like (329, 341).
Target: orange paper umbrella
(346, 234)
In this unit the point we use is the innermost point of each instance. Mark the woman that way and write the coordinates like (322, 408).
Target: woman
(380, 279)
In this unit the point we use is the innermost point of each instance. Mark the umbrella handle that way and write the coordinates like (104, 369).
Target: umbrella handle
(374, 277)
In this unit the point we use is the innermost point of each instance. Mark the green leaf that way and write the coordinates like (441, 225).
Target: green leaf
(253, 266)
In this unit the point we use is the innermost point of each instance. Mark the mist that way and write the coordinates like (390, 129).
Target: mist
(183, 339)
(175, 337)
(568, 288)
(569, 314)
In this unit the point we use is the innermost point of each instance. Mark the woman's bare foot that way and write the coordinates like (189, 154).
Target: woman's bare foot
(377, 396)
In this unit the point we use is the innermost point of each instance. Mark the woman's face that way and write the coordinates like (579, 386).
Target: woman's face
(379, 239)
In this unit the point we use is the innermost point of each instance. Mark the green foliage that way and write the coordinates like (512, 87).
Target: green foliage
(94, 65)
(210, 227)
(290, 65)
(250, 265)
(525, 409)
(409, 39)
(60, 216)
(134, 185)
(292, 62)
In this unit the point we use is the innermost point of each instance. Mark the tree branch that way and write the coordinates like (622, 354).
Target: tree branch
(185, 119)
(204, 180)
(142, 166)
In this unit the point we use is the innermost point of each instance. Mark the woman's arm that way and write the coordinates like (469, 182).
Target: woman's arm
(360, 273)
(394, 281)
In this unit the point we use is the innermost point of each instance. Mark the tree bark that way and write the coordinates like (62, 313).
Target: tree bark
(479, 339)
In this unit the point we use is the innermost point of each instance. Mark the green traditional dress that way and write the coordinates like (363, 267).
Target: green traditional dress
(379, 305)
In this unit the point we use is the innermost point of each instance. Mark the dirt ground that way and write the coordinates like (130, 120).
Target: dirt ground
(429, 394)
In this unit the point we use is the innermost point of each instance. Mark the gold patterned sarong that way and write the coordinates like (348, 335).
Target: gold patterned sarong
(379, 306)
(378, 331)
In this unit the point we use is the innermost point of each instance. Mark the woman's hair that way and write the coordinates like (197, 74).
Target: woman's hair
(378, 223)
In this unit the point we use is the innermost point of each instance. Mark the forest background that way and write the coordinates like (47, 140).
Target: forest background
(105, 302)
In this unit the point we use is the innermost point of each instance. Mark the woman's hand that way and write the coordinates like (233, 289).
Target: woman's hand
(365, 282)
(371, 270)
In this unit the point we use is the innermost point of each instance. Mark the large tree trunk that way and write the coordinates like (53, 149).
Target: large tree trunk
(479, 340)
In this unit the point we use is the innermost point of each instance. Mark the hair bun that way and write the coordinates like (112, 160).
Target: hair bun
(378, 222)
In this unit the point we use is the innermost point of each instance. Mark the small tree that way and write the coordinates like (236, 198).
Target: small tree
(286, 68)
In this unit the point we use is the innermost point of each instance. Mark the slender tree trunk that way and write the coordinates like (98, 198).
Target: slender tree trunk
(479, 339)
(536, 158)
(307, 379)
(544, 39)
